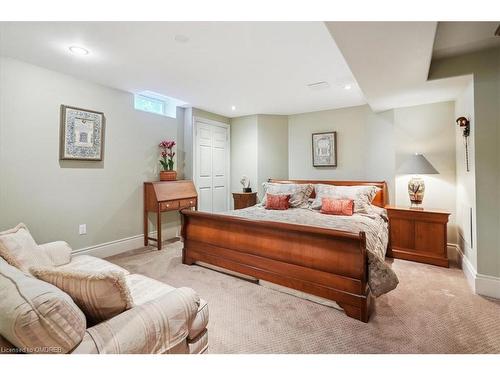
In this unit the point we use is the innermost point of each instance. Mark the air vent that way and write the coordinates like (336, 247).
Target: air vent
(319, 85)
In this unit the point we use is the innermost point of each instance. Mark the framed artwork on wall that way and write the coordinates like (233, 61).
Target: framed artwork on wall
(81, 134)
(324, 149)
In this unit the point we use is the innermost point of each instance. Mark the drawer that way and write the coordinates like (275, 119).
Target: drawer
(185, 203)
(169, 206)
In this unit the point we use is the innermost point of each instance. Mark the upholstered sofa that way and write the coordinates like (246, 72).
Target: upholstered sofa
(34, 315)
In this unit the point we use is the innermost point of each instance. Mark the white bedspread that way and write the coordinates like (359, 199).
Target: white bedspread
(381, 277)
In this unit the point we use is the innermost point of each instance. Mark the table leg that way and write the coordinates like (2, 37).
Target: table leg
(146, 231)
(158, 227)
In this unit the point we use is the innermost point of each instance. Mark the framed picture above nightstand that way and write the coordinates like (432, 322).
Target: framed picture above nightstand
(419, 235)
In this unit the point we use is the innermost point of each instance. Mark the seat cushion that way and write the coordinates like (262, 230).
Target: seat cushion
(20, 250)
(153, 327)
(144, 289)
(88, 263)
(35, 316)
(100, 295)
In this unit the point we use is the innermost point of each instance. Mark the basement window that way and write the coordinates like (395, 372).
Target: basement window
(151, 102)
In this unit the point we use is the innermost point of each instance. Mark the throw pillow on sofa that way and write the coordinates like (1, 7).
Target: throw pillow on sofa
(35, 316)
(20, 250)
(101, 296)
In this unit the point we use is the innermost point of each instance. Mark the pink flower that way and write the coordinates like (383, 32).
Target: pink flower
(167, 145)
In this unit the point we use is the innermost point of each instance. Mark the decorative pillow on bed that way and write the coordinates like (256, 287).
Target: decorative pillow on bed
(277, 201)
(332, 206)
(299, 193)
(100, 295)
(361, 195)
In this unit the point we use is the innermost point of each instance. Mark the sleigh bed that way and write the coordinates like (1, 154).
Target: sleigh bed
(328, 263)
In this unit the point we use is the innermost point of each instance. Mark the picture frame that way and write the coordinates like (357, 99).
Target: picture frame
(324, 149)
(81, 134)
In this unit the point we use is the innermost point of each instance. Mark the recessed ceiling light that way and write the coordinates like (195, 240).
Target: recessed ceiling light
(233, 108)
(348, 86)
(78, 50)
(181, 38)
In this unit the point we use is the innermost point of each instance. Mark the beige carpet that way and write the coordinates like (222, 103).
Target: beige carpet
(431, 311)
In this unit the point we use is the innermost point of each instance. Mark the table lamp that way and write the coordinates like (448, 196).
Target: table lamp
(416, 165)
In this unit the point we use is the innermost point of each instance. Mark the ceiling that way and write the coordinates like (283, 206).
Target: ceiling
(391, 60)
(258, 67)
(455, 38)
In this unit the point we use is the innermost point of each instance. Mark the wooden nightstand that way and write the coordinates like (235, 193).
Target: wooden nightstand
(244, 200)
(418, 234)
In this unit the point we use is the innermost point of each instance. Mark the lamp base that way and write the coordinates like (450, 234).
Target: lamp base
(416, 190)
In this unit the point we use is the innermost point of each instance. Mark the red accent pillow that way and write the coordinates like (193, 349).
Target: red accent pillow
(277, 201)
(332, 206)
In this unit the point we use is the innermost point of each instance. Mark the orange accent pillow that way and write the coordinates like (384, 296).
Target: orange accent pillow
(277, 201)
(332, 206)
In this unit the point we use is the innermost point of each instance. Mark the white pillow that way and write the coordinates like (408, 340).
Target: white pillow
(299, 193)
(20, 250)
(361, 195)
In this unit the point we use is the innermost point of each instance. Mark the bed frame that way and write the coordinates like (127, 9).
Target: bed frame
(324, 262)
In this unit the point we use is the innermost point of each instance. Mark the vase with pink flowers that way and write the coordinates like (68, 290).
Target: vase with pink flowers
(167, 161)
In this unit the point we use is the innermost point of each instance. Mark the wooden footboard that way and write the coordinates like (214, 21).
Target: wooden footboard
(328, 263)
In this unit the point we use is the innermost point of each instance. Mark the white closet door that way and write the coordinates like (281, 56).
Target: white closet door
(204, 166)
(212, 165)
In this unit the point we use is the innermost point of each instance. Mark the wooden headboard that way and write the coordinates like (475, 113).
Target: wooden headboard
(381, 199)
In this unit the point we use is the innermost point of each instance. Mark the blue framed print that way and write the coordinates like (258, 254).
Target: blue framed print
(81, 134)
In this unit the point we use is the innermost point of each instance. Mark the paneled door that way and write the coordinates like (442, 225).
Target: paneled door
(211, 167)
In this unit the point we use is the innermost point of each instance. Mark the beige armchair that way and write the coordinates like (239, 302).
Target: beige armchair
(164, 319)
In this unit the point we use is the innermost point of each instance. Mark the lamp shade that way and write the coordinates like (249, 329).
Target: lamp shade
(417, 164)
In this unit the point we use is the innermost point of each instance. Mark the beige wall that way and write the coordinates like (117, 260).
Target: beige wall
(53, 197)
(259, 150)
(428, 129)
(379, 145)
(349, 123)
(272, 149)
(244, 139)
(365, 145)
(485, 67)
(466, 180)
(371, 146)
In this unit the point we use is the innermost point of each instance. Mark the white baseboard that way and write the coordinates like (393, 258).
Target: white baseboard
(454, 253)
(122, 245)
(488, 286)
(108, 249)
(485, 285)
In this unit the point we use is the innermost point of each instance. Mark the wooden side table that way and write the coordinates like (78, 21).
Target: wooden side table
(418, 234)
(244, 200)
